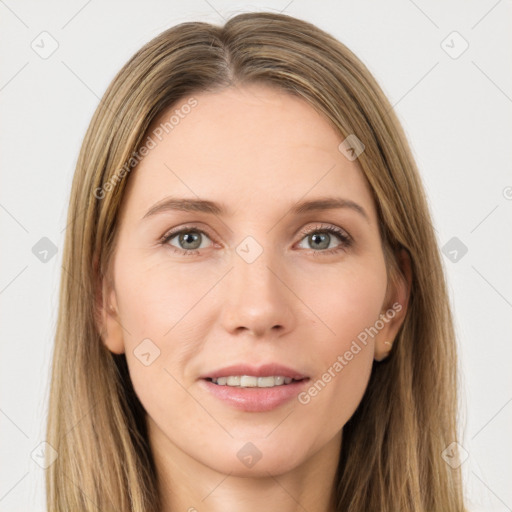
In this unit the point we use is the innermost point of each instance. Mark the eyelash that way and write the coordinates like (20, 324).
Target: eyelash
(345, 239)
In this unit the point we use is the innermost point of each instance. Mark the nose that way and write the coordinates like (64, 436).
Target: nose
(257, 298)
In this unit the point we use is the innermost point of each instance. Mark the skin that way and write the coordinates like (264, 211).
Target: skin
(258, 151)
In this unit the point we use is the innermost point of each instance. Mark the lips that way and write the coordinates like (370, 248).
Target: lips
(250, 398)
(254, 399)
(266, 370)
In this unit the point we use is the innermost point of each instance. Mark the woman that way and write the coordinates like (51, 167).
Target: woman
(300, 353)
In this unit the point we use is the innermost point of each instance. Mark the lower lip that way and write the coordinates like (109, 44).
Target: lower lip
(255, 399)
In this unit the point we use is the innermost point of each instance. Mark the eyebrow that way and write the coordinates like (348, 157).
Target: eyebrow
(205, 206)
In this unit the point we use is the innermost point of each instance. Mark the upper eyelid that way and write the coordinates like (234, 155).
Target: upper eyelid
(327, 227)
(171, 233)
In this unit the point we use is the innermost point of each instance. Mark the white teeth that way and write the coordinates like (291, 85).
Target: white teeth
(266, 382)
(247, 381)
(250, 381)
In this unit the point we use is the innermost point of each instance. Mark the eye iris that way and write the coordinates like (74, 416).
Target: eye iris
(191, 237)
(325, 237)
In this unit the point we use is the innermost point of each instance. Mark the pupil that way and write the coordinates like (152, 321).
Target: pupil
(325, 238)
(185, 239)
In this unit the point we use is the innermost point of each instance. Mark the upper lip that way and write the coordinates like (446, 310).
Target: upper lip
(265, 370)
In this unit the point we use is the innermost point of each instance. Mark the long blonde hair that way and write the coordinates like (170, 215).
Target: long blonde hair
(391, 455)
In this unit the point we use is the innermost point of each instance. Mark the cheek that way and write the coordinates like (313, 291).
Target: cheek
(332, 399)
(345, 300)
(163, 328)
(155, 299)
(347, 306)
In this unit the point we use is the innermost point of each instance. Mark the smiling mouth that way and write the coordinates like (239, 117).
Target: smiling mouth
(251, 381)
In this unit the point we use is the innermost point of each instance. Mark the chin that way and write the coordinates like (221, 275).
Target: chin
(257, 457)
(263, 468)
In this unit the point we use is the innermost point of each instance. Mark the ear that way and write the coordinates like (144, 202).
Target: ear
(395, 306)
(107, 314)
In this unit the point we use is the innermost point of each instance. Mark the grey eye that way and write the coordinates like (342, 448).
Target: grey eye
(319, 240)
(188, 240)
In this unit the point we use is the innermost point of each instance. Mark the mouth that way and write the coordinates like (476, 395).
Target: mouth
(254, 389)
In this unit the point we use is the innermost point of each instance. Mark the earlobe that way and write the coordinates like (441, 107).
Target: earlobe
(396, 308)
(382, 354)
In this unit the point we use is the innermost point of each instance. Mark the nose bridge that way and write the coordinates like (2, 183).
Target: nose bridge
(256, 300)
(253, 274)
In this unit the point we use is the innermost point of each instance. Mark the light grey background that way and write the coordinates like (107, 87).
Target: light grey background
(456, 113)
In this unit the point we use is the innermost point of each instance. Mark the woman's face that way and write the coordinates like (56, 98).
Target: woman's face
(255, 280)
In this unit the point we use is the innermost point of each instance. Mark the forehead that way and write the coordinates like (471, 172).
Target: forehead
(243, 146)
